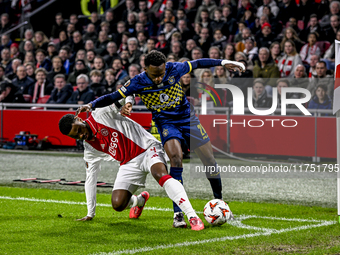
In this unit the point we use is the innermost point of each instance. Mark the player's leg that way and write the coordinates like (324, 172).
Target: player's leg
(128, 180)
(174, 151)
(205, 153)
(176, 193)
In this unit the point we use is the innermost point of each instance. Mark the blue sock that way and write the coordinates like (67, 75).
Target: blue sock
(176, 173)
(215, 182)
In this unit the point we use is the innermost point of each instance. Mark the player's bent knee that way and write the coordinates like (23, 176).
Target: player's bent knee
(176, 160)
(158, 170)
(118, 204)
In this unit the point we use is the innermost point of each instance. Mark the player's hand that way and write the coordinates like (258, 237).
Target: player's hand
(86, 218)
(235, 68)
(84, 108)
(126, 109)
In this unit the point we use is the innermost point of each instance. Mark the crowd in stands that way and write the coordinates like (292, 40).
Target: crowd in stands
(289, 43)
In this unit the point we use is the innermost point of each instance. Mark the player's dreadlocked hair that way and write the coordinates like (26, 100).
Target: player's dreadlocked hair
(65, 123)
(155, 58)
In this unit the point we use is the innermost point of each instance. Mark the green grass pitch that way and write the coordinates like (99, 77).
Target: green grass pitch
(273, 216)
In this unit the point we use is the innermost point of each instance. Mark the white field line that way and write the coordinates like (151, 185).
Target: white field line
(222, 239)
(237, 223)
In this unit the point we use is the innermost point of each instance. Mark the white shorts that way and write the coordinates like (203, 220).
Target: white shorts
(132, 175)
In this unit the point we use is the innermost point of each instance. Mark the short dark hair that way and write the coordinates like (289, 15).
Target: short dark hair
(65, 123)
(155, 58)
(322, 87)
(60, 75)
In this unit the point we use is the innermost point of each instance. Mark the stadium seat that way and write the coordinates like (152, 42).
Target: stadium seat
(43, 100)
(28, 98)
(323, 45)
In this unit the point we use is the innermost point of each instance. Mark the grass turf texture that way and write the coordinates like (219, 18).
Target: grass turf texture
(30, 227)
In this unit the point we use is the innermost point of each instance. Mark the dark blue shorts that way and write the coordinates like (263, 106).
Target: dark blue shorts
(189, 131)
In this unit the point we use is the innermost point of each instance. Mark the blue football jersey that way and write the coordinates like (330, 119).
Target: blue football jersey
(165, 99)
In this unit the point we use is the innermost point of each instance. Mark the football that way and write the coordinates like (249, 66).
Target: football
(217, 212)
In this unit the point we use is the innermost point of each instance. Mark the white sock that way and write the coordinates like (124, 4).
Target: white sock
(176, 192)
(133, 201)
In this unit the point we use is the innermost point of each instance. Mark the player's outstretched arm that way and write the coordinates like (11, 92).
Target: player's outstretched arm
(100, 102)
(208, 62)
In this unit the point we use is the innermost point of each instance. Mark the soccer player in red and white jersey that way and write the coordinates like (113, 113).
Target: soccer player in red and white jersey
(110, 136)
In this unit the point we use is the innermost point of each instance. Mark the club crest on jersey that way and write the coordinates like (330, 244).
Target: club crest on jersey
(104, 132)
(165, 132)
(171, 80)
(160, 85)
(127, 83)
(163, 97)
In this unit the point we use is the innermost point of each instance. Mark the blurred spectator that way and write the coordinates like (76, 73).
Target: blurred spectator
(229, 52)
(15, 64)
(28, 37)
(63, 40)
(332, 29)
(22, 82)
(125, 59)
(5, 23)
(312, 67)
(65, 54)
(284, 83)
(81, 54)
(191, 10)
(329, 56)
(83, 94)
(305, 9)
(99, 64)
(9, 93)
(42, 87)
(260, 97)
(265, 37)
(2, 74)
(190, 44)
(14, 49)
(91, 33)
(96, 86)
(70, 29)
(273, 7)
(121, 28)
(265, 68)
(288, 9)
(162, 44)
(230, 25)
(150, 45)
(290, 34)
(334, 8)
(250, 50)
(182, 27)
(290, 60)
(320, 100)
(75, 22)
(30, 69)
(58, 26)
(130, 7)
(57, 68)
(111, 48)
(245, 34)
(110, 18)
(275, 52)
(141, 37)
(102, 43)
(293, 24)
(131, 23)
(169, 17)
(215, 53)
(204, 41)
(217, 22)
(61, 92)
(245, 6)
(6, 61)
(300, 77)
(40, 41)
(89, 45)
(204, 19)
(29, 47)
(322, 79)
(95, 20)
(42, 60)
(134, 53)
(110, 81)
(248, 18)
(142, 61)
(90, 55)
(313, 27)
(176, 49)
(5, 42)
(79, 68)
(77, 43)
(310, 48)
(220, 40)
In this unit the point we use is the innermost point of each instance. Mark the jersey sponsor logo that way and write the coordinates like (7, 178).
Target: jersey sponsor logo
(123, 89)
(127, 83)
(104, 132)
(147, 88)
(103, 146)
(113, 144)
(163, 97)
(171, 80)
(165, 132)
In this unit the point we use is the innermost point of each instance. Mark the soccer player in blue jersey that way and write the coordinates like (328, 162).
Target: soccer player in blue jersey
(160, 90)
